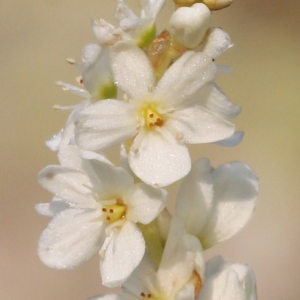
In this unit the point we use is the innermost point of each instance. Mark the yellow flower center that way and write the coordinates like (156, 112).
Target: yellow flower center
(152, 117)
(114, 212)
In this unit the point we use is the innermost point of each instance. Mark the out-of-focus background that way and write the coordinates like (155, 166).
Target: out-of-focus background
(37, 36)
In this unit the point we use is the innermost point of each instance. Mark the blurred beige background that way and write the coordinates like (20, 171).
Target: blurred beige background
(37, 36)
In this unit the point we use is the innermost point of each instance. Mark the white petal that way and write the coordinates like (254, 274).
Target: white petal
(104, 32)
(71, 238)
(220, 104)
(52, 208)
(54, 142)
(232, 141)
(125, 15)
(67, 184)
(110, 181)
(195, 197)
(186, 293)
(132, 70)
(94, 155)
(158, 158)
(182, 255)
(216, 43)
(151, 8)
(104, 124)
(144, 203)
(90, 53)
(228, 281)
(139, 279)
(122, 255)
(108, 297)
(197, 124)
(97, 76)
(183, 80)
(235, 193)
(69, 156)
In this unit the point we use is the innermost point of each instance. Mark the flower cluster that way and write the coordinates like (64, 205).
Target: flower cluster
(152, 95)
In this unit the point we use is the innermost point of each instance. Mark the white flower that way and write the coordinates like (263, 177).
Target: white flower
(215, 204)
(227, 281)
(102, 208)
(138, 30)
(162, 119)
(179, 275)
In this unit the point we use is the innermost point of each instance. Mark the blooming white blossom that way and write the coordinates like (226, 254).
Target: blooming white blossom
(227, 281)
(215, 204)
(161, 118)
(103, 205)
(179, 275)
(97, 78)
(138, 30)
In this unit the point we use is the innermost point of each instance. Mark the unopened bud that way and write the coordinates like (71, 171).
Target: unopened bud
(217, 4)
(188, 25)
(180, 3)
(211, 4)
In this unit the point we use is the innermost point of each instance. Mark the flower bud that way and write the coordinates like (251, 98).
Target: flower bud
(217, 4)
(188, 25)
(212, 4)
(180, 3)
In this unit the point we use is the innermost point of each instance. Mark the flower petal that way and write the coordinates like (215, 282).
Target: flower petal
(158, 158)
(67, 184)
(151, 8)
(108, 297)
(232, 141)
(235, 193)
(224, 280)
(182, 81)
(197, 124)
(220, 104)
(104, 124)
(217, 42)
(144, 203)
(52, 208)
(132, 70)
(182, 255)
(124, 252)
(110, 181)
(195, 197)
(71, 238)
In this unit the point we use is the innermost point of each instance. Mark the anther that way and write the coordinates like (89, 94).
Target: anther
(108, 218)
(143, 295)
(104, 209)
(111, 210)
(151, 115)
(149, 295)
